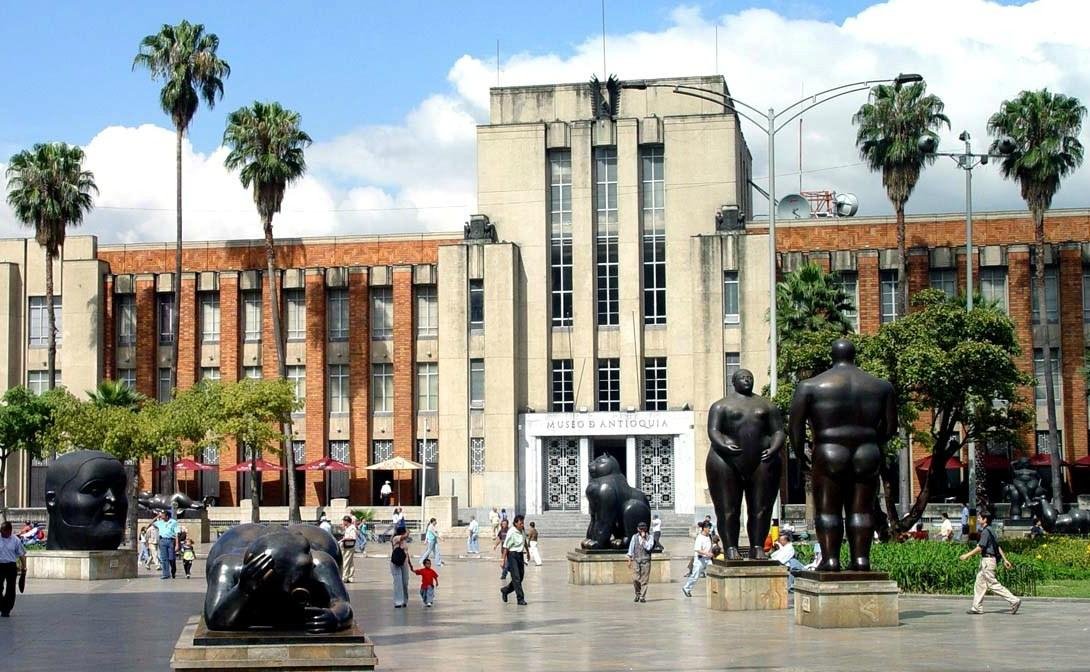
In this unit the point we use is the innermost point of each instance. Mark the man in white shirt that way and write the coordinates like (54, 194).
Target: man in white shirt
(473, 542)
(385, 492)
(784, 554)
(326, 525)
(702, 557)
(656, 530)
(348, 549)
(12, 561)
(946, 530)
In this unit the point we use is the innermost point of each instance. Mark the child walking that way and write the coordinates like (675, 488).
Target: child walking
(189, 554)
(429, 581)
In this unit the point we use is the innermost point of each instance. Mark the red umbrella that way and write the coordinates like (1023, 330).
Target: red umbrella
(1042, 460)
(259, 464)
(924, 463)
(325, 464)
(996, 462)
(1083, 461)
(189, 464)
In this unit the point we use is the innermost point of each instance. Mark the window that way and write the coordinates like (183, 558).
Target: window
(653, 194)
(251, 372)
(337, 305)
(993, 286)
(427, 312)
(849, 282)
(163, 387)
(476, 304)
(338, 389)
(251, 316)
(299, 452)
(427, 453)
(1043, 443)
(944, 279)
(560, 256)
(606, 251)
(338, 480)
(295, 314)
(731, 304)
(127, 377)
(732, 362)
(210, 373)
(297, 375)
(165, 317)
(609, 384)
(1086, 295)
(427, 386)
(1039, 373)
(210, 317)
(125, 306)
(654, 384)
(382, 388)
(381, 450)
(476, 455)
(38, 321)
(1052, 291)
(476, 383)
(563, 391)
(38, 381)
(890, 290)
(382, 313)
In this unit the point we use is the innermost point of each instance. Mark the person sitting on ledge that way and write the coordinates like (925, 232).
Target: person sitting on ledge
(271, 576)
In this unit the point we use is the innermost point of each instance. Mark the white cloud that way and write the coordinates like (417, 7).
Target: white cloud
(420, 174)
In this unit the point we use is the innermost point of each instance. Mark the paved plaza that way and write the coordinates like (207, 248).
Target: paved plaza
(132, 625)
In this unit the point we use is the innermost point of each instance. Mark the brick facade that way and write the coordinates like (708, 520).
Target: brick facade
(316, 411)
(359, 383)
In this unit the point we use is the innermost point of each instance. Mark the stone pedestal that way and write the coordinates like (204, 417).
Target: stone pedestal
(81, 565)
(845, 600)
(746, 585)
(596, 568)
(444, 510)
(199, 648)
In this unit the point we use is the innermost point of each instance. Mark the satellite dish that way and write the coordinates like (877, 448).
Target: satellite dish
(793, 206)
(846, 205)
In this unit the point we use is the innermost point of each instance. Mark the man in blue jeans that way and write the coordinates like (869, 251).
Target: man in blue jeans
(168, 544)
(702, 557)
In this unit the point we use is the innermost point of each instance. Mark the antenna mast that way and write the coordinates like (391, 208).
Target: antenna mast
(605, 72)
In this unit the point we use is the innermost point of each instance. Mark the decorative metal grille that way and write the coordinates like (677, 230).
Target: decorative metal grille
(381, 451)
(210, 455)
(427, 451)
(562, 474)
(476, 456)
(656, 460)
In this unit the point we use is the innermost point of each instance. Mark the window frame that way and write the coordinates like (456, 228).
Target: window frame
(125, 309)
(732, 285)
(166, 330)
(210, 317)
(560, 238)
(337, 309)
(427, 387)
(609, 384)
(606, 241)
(476, 383)
(476, 303)
(427, 311)
(382, 313)
(337, 386)
(251, 316)
(655, 385)
(653, 233)
(295, 314)
(894, 295)
(562, 377)
(382, 388)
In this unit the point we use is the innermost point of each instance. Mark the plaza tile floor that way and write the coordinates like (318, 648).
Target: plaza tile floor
(132, 625)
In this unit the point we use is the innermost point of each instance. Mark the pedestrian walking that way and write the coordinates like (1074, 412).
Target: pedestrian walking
(348, 549)
(639, 560)
(514, 560)
(965, 521)
(494, 522)
(501, 536)
(989, 550)
(386, 493)
(361, 538)
(12, 563)
(153, 547)
(656, 529)
(473, 542)
(145, 552)
(399, 559)
(431, 538)
(168, 545)
(535, 551)
(429, 581)
(326, 525)
(702, 556)
(189, 554)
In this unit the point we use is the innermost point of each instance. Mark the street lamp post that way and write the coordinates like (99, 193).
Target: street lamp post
(772, 122)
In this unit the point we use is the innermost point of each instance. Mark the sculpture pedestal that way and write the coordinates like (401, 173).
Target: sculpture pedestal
(199, 648)
(596, 568)
(746, 585)
(81, 565)
(845, 600)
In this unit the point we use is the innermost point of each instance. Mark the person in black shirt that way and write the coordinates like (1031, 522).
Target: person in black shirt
(990, 551)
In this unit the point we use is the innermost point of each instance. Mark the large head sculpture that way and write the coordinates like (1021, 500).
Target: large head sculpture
(85, 497)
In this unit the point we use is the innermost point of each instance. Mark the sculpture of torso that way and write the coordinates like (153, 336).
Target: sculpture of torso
(616, 508)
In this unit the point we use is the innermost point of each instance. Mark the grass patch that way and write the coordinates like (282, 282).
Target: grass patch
(1064, 588)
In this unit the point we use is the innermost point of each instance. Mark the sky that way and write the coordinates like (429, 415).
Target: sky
(391, 94)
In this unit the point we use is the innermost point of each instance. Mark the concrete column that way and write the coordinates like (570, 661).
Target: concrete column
(631, 470)
(584, 472)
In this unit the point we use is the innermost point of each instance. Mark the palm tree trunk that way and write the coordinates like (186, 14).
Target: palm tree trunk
(278, 335)
(131, 489)
(905, 466)
(51, 317)
(175, 309)
(1046, 348)
(255, 507)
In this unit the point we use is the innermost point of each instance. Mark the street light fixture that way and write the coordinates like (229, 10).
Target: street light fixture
(772, 122)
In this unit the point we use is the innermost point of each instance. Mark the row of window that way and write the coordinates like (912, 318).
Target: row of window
(609, 385)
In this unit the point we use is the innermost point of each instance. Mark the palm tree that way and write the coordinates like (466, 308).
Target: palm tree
(1038, 133)
(811, 299)
(115, 393)
(49, 190)
(267, 146)
(184, 58)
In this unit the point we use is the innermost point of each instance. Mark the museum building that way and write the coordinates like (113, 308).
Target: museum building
(612, 281)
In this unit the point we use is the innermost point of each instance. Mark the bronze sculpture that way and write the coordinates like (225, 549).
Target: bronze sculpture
(267, 576)
(1026, 486)
(747, 436)
(851, 414)
(179, 502)
(1075, 521)
(616, 508)
(86, 500)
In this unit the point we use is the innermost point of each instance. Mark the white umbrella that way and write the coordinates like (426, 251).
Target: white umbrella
(398, 463)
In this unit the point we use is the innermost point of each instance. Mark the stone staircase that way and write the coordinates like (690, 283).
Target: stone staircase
(574, 524)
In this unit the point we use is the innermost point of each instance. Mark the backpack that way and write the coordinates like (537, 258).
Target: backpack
(398, 556)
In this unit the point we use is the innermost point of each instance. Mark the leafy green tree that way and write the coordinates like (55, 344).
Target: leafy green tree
(49, 190)
(184, 58)
(956, 366)
(1043, 128)
(266, 147)
(24, 417)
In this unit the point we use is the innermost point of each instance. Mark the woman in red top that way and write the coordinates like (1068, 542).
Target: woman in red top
(429, 581)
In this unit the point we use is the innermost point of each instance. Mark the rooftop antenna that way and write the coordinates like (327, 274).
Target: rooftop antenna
(605, 72)
(802, 90)
(497, 62)
(717, 48)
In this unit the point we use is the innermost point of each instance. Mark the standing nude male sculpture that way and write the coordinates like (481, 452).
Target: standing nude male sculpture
(851, 414)
(746, 433)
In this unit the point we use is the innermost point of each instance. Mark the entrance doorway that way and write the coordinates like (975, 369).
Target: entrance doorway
(611, 445)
